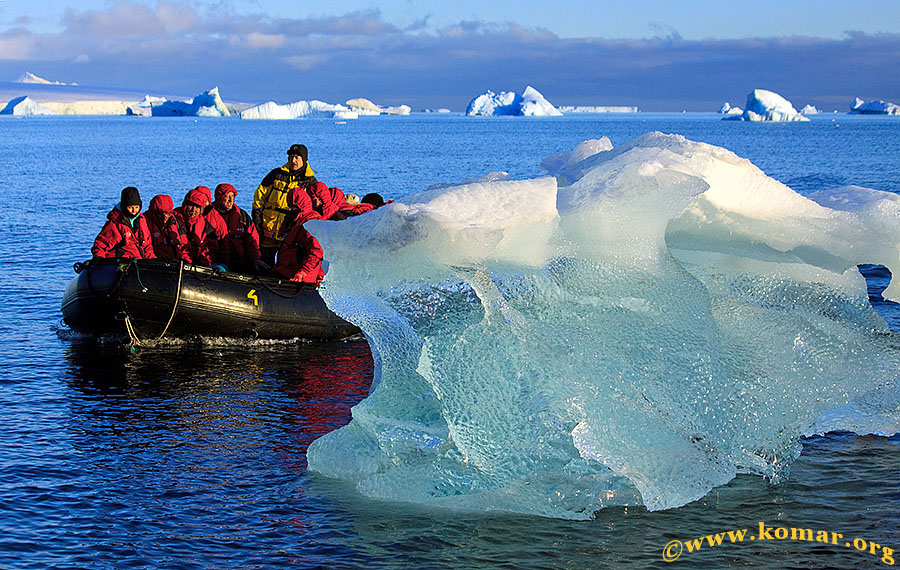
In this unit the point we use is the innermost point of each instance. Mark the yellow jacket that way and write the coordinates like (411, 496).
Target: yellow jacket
(270, 201)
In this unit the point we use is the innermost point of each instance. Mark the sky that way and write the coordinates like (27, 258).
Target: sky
(658, 55)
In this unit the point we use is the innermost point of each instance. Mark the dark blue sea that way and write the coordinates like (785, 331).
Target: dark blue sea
(192, 455)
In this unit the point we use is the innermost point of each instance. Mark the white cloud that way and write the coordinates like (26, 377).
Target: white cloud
(306, 62)
(257, 40)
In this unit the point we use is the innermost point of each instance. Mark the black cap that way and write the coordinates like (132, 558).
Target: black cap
(130, 197)
(298, 149)
(374, 199)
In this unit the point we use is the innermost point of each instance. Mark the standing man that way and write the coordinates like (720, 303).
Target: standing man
(270, 200)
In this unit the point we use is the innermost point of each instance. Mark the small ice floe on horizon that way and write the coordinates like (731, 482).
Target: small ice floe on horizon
(25, 107)
(529, 104)
(206, 104)
(809, 110)
(859, 107)
(767, 106)
(537, 351)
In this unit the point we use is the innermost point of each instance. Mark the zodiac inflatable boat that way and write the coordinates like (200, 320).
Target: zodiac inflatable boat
(151, 299)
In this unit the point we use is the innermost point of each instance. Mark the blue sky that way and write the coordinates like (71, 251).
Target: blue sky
(655, 54)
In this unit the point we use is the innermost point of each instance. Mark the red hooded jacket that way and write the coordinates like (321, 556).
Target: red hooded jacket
(202, 240)
(300, 253)
(119, 238)
(239, 248)
(169, 238)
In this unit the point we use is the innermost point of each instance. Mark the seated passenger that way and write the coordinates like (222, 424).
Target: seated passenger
(300, 257)
(202, 241)
(209, 213)
(167, 232)
(239, 249)
(125, 233)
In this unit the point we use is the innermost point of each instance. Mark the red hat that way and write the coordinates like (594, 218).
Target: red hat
(223, 189)
(205, 191)
(197, 197)
(162, 203)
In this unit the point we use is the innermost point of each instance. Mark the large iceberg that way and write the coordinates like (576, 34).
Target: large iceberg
(24, 106)
(206, 104)
(529, 104)
(638, 328)
(765, 105)
(874, 107)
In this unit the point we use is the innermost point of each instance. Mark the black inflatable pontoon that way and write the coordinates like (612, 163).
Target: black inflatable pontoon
(149, 299)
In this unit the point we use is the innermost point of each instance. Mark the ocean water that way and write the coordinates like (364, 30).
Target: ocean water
(192, 455)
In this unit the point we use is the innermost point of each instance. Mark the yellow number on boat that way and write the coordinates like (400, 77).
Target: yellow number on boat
(252, 295)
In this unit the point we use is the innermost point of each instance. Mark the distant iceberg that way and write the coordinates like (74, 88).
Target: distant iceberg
(858, 107)
(566, 109)
(809, 110)
(765, 105)
(29, 77)
(314, 109)
(299, 110)
(207, 104)
(529, 104)
(727, 109)
(363, 106)
(23, 106)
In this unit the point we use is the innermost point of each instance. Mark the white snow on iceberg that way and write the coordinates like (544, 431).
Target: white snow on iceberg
(874, 107)
(531, 104)
(207, 104)
(29, 77)
(23, 106)
(727, 109)
(299, 110)
(583, 109)
(363, 106)
(538, 351)
(765, 105)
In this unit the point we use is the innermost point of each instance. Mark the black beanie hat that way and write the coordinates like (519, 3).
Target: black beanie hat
(374, 199)
(130, 197)
(298, 149)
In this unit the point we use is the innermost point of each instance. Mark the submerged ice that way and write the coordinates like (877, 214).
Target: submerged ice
(637, 328)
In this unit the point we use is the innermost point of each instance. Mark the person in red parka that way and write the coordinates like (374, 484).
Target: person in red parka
(239, 248)
(202, 241)
(167, 232)
(209, 213)
(300, 256)
(125, 233)
(354, 207)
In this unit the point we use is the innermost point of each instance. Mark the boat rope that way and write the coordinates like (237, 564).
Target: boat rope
(300, 288)
(129, 327)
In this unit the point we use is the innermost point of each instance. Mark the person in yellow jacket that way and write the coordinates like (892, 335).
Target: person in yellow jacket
(270, 200)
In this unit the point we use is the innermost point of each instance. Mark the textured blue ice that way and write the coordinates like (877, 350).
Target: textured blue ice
(637, 328)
